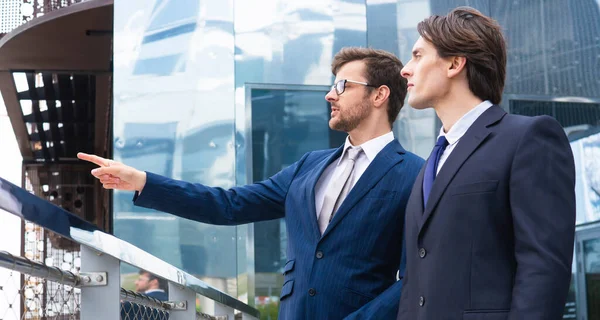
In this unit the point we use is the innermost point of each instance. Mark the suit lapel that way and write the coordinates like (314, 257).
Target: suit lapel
(387, 158)
(310, 191)
(470, 141)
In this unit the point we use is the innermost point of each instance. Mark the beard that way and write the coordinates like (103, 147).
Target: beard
(350, 117)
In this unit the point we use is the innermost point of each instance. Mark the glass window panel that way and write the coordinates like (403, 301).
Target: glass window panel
(286, 124)
(591, 253)
(553, 46)
(586, 152)
(174, 115)
(392, 26)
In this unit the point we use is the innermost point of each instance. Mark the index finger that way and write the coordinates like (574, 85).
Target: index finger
(93, 159)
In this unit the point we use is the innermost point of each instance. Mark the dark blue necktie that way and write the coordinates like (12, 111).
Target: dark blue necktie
(432, 165)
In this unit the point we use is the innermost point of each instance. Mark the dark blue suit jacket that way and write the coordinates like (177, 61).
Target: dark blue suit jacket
(160, 295)
(495, 240)
(350, 271)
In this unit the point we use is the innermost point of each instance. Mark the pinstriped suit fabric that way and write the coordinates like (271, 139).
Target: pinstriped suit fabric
(350, 270)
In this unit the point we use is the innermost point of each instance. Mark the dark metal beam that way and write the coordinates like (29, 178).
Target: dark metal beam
(13, 108)
(46, 118)
(42, 95)
(35, 108)
(66, 110)
(52, 114)
(102, 116)
(83, 111)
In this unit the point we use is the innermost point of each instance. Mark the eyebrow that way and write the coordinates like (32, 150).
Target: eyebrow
(418, 50)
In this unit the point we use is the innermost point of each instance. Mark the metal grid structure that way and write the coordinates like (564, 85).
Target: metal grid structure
(59, 113)
(10, 15)
(69, 186)
(9, 291)
(61, 301)
(58, 110)
(138, 311)
(43, 299)
(136, 306)
(14, 13)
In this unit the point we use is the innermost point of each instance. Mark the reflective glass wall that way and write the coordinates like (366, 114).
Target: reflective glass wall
(174, 115)
(230, 92)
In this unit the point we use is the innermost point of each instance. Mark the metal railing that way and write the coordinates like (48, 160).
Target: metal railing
(36, 269)
(96, 288)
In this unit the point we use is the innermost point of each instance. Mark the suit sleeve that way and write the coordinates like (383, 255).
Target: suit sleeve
(385, 305)
(260, 201)
(542, 200)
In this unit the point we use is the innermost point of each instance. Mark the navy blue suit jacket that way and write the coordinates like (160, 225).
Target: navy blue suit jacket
(351, 270)
(160, 295)
(495, 240)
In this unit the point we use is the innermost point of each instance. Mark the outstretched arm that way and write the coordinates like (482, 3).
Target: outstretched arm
(256, 202)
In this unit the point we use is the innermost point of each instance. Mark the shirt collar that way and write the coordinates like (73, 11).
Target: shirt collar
(154, 290)
(464, 123)
(371, 148)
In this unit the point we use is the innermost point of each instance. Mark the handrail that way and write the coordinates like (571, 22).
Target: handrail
(36, 269)
(29, 207)
(40, 270)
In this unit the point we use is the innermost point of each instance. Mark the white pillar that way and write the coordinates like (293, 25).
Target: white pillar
(222, 310)
(177, 293)
(102, 302)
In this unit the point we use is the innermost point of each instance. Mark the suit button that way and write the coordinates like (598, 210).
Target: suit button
(319, 254)
(312, 292)
(421, 301)
(422, 253)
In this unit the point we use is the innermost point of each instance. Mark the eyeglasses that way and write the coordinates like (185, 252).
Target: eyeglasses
(340, 86)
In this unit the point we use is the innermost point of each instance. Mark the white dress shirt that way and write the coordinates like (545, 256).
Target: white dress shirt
(154, 290)
(370, 150)
(458, 130)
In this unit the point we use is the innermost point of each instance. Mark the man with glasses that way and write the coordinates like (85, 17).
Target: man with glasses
(151, 285)
(344, 207)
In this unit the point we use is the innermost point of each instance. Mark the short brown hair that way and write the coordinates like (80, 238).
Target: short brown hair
(466, 32)
(162, 284)
(382, 68)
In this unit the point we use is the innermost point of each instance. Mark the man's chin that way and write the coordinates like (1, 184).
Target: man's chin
(335, 125)
(417, 105)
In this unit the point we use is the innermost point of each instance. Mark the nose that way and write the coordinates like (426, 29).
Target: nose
(331, 95)
(406, 71)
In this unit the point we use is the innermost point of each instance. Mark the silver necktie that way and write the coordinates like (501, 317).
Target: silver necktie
(338, 190)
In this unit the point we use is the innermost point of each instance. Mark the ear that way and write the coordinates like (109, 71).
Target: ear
(457, 65)
(381, 96)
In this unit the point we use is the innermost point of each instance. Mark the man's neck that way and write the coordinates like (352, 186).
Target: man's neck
(451, 110)
(358, 136)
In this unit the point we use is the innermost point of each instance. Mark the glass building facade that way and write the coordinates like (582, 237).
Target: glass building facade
(226, 93)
